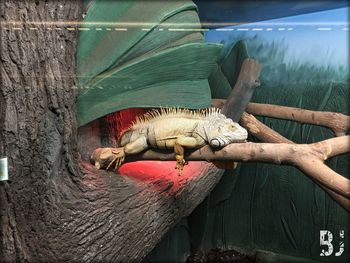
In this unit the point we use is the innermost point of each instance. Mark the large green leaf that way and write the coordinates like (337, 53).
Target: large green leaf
(159, 59)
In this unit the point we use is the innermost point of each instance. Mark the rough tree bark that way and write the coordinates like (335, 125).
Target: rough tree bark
(52, 208)
(37, 130)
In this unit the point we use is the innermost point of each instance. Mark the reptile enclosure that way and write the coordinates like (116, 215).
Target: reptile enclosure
(57, 206)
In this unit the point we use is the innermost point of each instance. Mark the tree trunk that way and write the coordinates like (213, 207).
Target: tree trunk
(52, 208)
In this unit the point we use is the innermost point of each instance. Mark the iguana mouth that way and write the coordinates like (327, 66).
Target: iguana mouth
(218, 143)
(236, 141)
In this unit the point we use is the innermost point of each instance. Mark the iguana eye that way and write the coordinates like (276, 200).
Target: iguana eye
(232, 127)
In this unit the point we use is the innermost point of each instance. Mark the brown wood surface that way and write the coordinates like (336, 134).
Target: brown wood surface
(242, 92)
(338, 122)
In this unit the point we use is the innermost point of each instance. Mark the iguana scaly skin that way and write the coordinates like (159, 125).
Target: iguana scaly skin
(177, 129)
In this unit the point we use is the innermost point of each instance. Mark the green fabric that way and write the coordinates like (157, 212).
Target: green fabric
(157, 40)
(174, 247)
(122, 69)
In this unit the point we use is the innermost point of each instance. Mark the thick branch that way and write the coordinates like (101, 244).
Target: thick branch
(300, 155)
(338, 122)
(333, 147)
(243, 90)
(260, 130)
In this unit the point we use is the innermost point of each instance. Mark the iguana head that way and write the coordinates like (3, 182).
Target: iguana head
(221, 131)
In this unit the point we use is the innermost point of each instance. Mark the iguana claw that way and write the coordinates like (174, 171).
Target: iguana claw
(180, 163)
(118, 159)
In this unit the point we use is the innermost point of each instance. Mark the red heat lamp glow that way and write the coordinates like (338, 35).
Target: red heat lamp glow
(151, 170)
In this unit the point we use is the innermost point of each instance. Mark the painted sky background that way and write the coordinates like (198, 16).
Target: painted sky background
(320, 38)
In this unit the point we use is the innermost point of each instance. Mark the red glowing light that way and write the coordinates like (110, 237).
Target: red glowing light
(154, 170)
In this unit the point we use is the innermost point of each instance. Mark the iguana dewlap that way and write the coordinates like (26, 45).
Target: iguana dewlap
(177, 129)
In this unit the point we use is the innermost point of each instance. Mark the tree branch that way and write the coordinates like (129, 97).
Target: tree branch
(248, 80)
(306, 157)
(266, 134)
(339, 123)
(260, 130)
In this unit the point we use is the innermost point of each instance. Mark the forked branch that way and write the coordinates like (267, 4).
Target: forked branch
(338, 122)
(266, 134)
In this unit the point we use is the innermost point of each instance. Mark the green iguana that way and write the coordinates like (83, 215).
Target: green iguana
(176, 129)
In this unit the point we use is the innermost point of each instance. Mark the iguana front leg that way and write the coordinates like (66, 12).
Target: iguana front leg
(137, 146)
(105, 157)
(179, 145)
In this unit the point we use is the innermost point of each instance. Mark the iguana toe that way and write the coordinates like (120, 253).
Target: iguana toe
(180, 163)
(118, 158)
